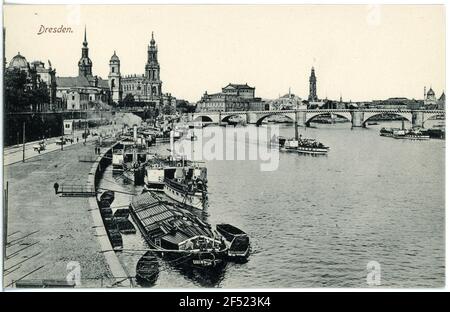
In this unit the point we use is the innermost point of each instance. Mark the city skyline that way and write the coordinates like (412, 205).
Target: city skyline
(198, 53)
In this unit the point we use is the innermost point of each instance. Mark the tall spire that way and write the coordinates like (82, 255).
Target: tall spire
(85, 40)
(85, 64)
(152, 42)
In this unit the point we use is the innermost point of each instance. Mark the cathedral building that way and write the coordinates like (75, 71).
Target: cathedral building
(84, 91)
(147, 88)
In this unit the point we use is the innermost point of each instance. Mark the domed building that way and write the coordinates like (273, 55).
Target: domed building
(36, 75)
(287, 101)
(19, 62)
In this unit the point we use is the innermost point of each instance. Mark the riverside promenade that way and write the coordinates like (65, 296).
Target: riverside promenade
(50, 237)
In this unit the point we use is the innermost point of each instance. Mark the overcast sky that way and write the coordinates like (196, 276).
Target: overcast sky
(362, 52)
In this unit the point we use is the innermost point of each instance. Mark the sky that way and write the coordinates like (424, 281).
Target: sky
(362, 52)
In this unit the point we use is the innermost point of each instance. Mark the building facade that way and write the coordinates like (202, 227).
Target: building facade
(234, 97)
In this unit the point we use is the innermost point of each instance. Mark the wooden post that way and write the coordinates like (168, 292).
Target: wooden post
(62, 133)
(23, 143)
(5, 221)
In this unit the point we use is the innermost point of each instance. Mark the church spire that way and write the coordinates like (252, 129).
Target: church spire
(85, 63)
(85, 40)
(312, 86)
(152, 42)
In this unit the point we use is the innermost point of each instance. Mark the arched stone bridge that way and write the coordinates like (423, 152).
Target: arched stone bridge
(358, 117)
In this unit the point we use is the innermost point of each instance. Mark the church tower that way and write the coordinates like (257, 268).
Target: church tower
(152, 71)
(114, 78)
(312, 87)
(85, 63)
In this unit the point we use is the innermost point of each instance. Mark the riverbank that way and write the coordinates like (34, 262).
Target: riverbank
(50, 237)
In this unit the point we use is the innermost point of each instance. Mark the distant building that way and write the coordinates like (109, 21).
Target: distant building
(84, 91)
(429, 97)
(37, 74)
(234, 97)
(287, 101)
(441, 101)
(395, 103)
(430, 100)
(313, 87)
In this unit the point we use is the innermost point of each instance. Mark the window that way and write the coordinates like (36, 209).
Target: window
(112, 69)
(73, 97)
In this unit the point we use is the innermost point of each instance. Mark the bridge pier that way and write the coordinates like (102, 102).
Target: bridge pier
(357, 119)
(417, 119)
(300, 118)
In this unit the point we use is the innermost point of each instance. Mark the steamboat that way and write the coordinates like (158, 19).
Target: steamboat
(409, 134)
(391, 132)
(181, 180)
(187, 185)
(311, 146)
(413, 134)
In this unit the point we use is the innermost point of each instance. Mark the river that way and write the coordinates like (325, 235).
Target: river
(318, 221)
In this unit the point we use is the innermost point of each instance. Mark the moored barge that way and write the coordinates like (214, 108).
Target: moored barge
(175, 233)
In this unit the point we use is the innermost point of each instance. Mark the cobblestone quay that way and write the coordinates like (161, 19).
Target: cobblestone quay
(49, 235)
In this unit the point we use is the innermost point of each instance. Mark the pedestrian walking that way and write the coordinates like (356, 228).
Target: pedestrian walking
(77, 139)
(56, 186)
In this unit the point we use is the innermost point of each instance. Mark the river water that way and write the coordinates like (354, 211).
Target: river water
(319, 221)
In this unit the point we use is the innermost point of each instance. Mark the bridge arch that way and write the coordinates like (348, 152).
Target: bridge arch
(203, 118)
(261, 118)
(239, 116)
(310, 117)
(369, 115)
(431, 115)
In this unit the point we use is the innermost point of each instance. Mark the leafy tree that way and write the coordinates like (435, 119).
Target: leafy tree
(184, 107)
(20, 94)
(168, 109)
(16, 94)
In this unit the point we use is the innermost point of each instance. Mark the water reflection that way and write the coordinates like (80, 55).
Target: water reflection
(318, 221)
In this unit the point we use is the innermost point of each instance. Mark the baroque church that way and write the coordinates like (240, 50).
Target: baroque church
(147, 87)
(144, 88)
